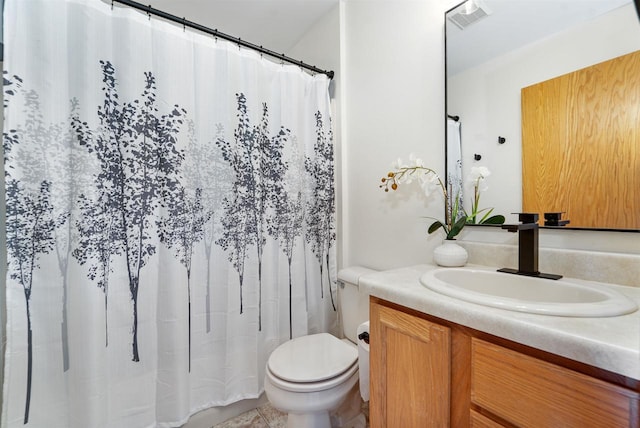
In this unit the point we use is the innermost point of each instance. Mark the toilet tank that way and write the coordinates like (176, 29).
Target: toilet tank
(353, 305)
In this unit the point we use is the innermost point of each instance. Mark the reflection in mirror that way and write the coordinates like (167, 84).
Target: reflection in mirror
(503, 46)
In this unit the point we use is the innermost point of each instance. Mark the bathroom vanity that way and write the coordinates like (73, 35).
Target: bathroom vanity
(439, 361)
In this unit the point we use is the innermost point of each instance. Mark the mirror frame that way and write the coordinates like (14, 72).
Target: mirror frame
(446, 116)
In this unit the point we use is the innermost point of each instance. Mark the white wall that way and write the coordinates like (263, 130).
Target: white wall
(393, 105)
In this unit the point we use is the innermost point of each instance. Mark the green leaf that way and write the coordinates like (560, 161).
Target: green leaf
(484, 217)
(471, 219)
(455, 208)
(496, 219)
(435, 226)
(457, 228)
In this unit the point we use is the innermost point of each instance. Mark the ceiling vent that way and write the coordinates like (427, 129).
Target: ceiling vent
(468, 13)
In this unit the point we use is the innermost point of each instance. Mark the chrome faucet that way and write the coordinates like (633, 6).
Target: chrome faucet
(527, 247)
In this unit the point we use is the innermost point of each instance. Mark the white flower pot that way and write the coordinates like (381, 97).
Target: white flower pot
(450, 254)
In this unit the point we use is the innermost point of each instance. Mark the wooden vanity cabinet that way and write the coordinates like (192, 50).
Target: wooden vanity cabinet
(428, 372)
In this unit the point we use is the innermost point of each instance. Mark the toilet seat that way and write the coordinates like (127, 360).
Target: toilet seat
(313, 386)
(312, 363)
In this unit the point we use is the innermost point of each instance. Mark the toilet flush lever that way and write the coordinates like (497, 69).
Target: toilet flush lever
(364, 336)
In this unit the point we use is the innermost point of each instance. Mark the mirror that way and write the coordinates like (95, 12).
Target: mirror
(494, 49)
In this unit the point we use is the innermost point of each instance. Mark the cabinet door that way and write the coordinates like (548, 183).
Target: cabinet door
(410, 370)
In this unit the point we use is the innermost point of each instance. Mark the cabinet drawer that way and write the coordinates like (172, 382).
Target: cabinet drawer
(533, 393)
(479, 421)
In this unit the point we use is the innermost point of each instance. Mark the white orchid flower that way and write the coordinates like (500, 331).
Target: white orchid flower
(427, 188)
(478, 172)
(428, 182)
(396, 164)
(422, 179)
(414, 161)
(477, 176)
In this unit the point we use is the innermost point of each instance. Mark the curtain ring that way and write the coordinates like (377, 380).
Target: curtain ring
(184, 24)
(111, 4)
(149, 12)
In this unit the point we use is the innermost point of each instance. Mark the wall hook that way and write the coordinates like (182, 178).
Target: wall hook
(477, 156)
(502, 140)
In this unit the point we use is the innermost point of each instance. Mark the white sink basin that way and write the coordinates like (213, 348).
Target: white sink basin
(564, 297)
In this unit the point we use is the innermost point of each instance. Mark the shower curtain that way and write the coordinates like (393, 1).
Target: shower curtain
(454, 163)
(169, 216)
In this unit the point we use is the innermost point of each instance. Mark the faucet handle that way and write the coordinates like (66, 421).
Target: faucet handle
(528, 217)
(555, 219)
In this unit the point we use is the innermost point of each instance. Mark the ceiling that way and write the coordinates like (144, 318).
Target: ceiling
(495, 34)
(275, 24)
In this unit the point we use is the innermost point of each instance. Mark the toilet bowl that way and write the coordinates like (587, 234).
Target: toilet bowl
(310, 376)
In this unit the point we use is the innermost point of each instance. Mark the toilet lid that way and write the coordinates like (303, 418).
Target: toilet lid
(312, 358)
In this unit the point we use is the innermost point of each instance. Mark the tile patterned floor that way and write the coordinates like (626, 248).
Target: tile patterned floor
(263, 417)
(267, 417)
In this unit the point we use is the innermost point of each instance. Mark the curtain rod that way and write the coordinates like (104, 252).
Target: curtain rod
(214, 32)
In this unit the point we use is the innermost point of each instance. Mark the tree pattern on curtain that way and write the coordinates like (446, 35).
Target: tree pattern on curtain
(256, 159)
(289, 222)
(113, 192)
(31, 218)
(206, 171)
(139, 167)
(320, 229)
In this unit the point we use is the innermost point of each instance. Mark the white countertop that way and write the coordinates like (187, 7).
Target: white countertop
(610, 343)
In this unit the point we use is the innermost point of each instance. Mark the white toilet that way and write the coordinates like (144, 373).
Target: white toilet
(310, 376)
